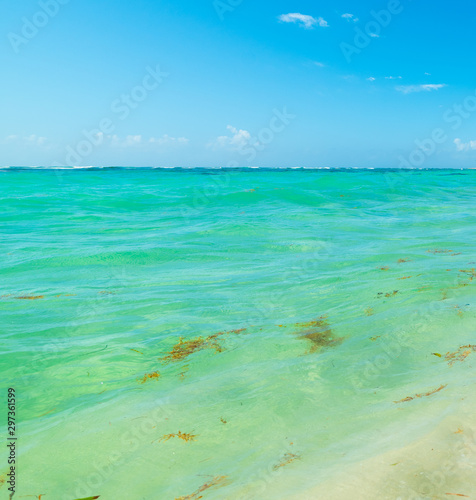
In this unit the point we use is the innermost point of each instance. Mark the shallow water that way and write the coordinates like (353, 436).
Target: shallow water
(331, 292)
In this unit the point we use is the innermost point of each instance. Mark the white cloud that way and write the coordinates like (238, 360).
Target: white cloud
(166, 139)
(393, 78)
(428, 74)
(319, 64)
(137, 140)
(371, 79)
(350, 17)
(30, 140)
(408, 89)
(374, 35)
(304, 20)
(464, 146)
(236, 141)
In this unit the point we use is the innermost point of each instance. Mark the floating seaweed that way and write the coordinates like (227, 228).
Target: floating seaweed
(223, 421)
(460, 312)
(89, 498)
(373, 339)
(457, 495)
(470, 272)
(150, 376)
(388, 294)
(436, 354)
(402, 261)
(319, 333)
(460, 355)
(286, 460)
(185, 348)
(184, 372)
(135, 350)
(30, 297)
(410, 398)
(385, 268)
(405, 278)
(181, 435)
(215, 482)
(438, 250)
(369, 311)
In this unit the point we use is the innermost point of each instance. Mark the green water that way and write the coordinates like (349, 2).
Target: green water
(119, 264)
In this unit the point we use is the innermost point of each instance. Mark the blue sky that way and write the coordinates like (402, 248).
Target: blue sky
(229, 82)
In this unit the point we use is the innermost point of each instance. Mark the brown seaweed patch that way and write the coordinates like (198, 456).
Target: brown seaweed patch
(185, 348)
(30, 297)
(439, 250)
(402, 261)
(319, 333)
(286, 460)
(181, 435)
(369, 311)
(470, 272)
(405, 278)
(388, 294)
(216, 482)
(410, 398)
(135, 350)
(150, 376)
(460, 355)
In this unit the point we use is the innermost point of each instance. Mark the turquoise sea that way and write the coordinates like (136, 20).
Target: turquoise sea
(239, 334)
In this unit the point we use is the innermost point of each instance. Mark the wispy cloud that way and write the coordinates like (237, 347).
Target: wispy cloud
(235, 142)
(303, 20)
(139, 141)
(464, 146)
(350, 17)
(166, 139)
(319, 64)
(408, 89)
(393, 78)
(30, 140)
(371, 79)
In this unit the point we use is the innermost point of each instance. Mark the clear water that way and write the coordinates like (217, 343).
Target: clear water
(104, 270)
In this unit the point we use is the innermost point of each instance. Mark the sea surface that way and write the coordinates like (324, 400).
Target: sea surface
(239, 334)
